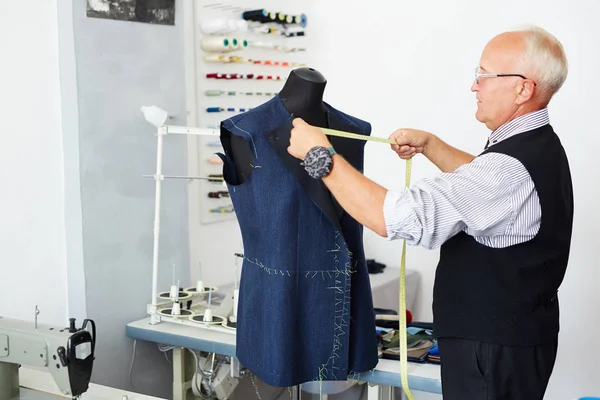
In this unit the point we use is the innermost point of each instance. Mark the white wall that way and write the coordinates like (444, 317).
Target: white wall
(32, 206)
(120, 66)
(410, 64)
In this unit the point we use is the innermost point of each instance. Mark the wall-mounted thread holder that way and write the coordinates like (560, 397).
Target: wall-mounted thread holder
(235, 59)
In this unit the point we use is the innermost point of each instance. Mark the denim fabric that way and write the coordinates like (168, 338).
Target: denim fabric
(305, 309)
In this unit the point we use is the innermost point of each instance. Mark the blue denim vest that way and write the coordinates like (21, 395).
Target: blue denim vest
(305, 309)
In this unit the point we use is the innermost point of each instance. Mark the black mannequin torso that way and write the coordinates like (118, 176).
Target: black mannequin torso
(302, 96)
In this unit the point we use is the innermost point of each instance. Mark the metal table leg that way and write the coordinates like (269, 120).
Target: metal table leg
(179, 386)
(374, 392)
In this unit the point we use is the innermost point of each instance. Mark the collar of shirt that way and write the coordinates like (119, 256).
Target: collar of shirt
(518, 125)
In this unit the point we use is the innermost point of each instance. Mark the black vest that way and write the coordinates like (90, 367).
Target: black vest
(508, 295)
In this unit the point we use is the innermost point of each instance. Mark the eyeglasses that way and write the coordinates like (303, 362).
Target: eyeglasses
(478, 75)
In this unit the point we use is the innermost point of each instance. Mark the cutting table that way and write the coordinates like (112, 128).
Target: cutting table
(421, 377)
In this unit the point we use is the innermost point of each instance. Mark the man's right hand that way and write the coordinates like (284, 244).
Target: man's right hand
(409, 142)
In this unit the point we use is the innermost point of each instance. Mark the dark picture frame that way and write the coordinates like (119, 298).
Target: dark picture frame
(161, 12)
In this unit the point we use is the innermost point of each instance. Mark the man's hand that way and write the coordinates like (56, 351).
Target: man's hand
(409, 142)
(304, 137)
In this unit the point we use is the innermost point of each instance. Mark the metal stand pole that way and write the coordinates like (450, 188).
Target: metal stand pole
(154, 316)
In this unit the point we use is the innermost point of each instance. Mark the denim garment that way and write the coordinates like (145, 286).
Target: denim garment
(305, 309)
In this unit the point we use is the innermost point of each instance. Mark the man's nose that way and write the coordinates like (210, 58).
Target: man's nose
(474, 86)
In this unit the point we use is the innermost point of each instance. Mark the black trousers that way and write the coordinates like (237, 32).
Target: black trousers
(474, 370)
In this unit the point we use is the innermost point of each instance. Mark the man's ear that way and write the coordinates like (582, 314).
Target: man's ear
(525, 90)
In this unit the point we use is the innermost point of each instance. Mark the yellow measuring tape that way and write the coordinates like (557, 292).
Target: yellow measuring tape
(402, 312)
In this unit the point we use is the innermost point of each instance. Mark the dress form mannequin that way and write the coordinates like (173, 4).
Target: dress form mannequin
(292, 226)
(302, 96)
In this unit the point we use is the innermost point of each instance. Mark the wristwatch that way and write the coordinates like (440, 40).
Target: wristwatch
(318, 162)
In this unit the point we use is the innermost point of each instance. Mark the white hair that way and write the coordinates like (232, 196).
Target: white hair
(544, 58)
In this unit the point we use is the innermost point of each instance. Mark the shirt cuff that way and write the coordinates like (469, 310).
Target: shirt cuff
(400, 220)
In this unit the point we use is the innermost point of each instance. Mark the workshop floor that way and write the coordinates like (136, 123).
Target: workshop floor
(246, 391)
(27, 394)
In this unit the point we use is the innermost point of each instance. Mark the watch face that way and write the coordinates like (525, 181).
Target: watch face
(318, 162)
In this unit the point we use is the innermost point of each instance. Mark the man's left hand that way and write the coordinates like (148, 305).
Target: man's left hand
(304, 137)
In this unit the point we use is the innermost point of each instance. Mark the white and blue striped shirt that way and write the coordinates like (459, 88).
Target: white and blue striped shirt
(492, 198)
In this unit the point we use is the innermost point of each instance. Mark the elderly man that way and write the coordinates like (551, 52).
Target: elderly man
(502, 221)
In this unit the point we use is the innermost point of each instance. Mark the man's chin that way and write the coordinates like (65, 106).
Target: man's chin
(478, 116)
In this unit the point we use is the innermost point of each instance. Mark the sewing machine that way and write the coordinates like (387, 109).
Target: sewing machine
(67, 353)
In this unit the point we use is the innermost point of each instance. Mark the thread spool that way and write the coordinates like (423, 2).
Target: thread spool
(215, 44)
(293, 33)
(234, 44)
(214, 26)
(207, 315)
(174, 293)
(218, 75)
(215, 58)
(260, 15)
(237, 44)
(301, 20)
(230, 323)
(264, 29)
(222, 26)
(228, 109)
(199, 286)
(176, 310)
(272, 17)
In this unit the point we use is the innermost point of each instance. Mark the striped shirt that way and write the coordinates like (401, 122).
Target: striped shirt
(492, 198)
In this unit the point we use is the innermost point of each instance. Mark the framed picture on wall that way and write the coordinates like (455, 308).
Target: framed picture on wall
(150, 11)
